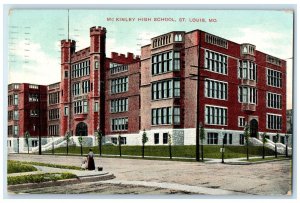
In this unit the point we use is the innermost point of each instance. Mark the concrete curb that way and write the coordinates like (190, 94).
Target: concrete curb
(62, 182)
(256, 162)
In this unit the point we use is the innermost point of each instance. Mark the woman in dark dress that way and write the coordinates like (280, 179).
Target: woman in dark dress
(91, 162)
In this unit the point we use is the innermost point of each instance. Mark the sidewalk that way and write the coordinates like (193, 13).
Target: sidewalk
(241, 160)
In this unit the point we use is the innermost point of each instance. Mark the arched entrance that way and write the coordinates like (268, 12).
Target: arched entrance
(253, 128)
(81, 129)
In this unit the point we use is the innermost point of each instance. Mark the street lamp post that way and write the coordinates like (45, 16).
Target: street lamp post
(18, 143)
(286, 145)
(223, 149)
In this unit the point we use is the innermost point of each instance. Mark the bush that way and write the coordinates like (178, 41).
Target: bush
(49, 165)
(38, 178)
(19, 167)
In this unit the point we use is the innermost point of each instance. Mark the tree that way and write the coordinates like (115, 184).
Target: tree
(80, 140)
(264, 141)
(286, 145)
(170, 144)
(67, 138)
(202, 137)
(247, 136)
(144, 141)
(119, 140)
(276, 138)
(99, 135)
(27, 136)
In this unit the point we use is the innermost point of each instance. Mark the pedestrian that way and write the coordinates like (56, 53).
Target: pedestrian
(91, 162)
(84, 163)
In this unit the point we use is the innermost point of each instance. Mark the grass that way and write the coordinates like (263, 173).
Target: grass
(44, 164)
(19, 167)
(210, 151)
(38, 178)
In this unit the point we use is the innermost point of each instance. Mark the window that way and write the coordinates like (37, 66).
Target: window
(10, 100)
(96, 64)
(10, 115)
(34, 143)
(274, 100)
(114, 140)
(119, 85)
(230, 138)
(274, 78)
(164, 89)
(165, 116)
(247, 95)
(119, 124)
(80, 107)
(176, 60)
(242, 139)
(119, 105)
(16, 130)
(66, 74)
(156, 138)
(176, 115)
(81, 69)
(117, 68)
(247, 70)
(211, 39)
(212, 138)
(10, 130)
(53, 130)
(76, 88)
(178, 38)
(163, 62)
(165, 138)
(241, 121)
(274, 122)
(16, 99)
(215, 89)
(123, 140)
(34, 112)
(16, 115)
(33, 97)
(273, 60)
(85, 86)
(53, 98)
(85, 106)
(33, 87)
(216, 62)
(66, 111)
(96, 107)
(53, 114)
(215, 115)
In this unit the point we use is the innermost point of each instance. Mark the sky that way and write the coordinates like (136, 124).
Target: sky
(34, 35)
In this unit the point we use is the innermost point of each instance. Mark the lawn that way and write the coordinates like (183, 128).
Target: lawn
(48, 165)
(211, 151)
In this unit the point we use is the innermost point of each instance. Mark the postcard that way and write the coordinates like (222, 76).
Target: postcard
(156, 102)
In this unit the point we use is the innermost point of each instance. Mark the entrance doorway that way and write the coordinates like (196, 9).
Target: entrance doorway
(81, 129)
(253, 128)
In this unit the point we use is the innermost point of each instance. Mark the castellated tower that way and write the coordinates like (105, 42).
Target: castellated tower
(67, 49)
(97, 77)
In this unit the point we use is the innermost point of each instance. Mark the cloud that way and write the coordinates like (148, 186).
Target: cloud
(33, 65)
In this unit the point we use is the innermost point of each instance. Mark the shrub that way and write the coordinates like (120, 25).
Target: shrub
(39, 178)
(18, 167)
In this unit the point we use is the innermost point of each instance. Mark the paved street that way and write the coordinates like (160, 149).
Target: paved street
(135, 176)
